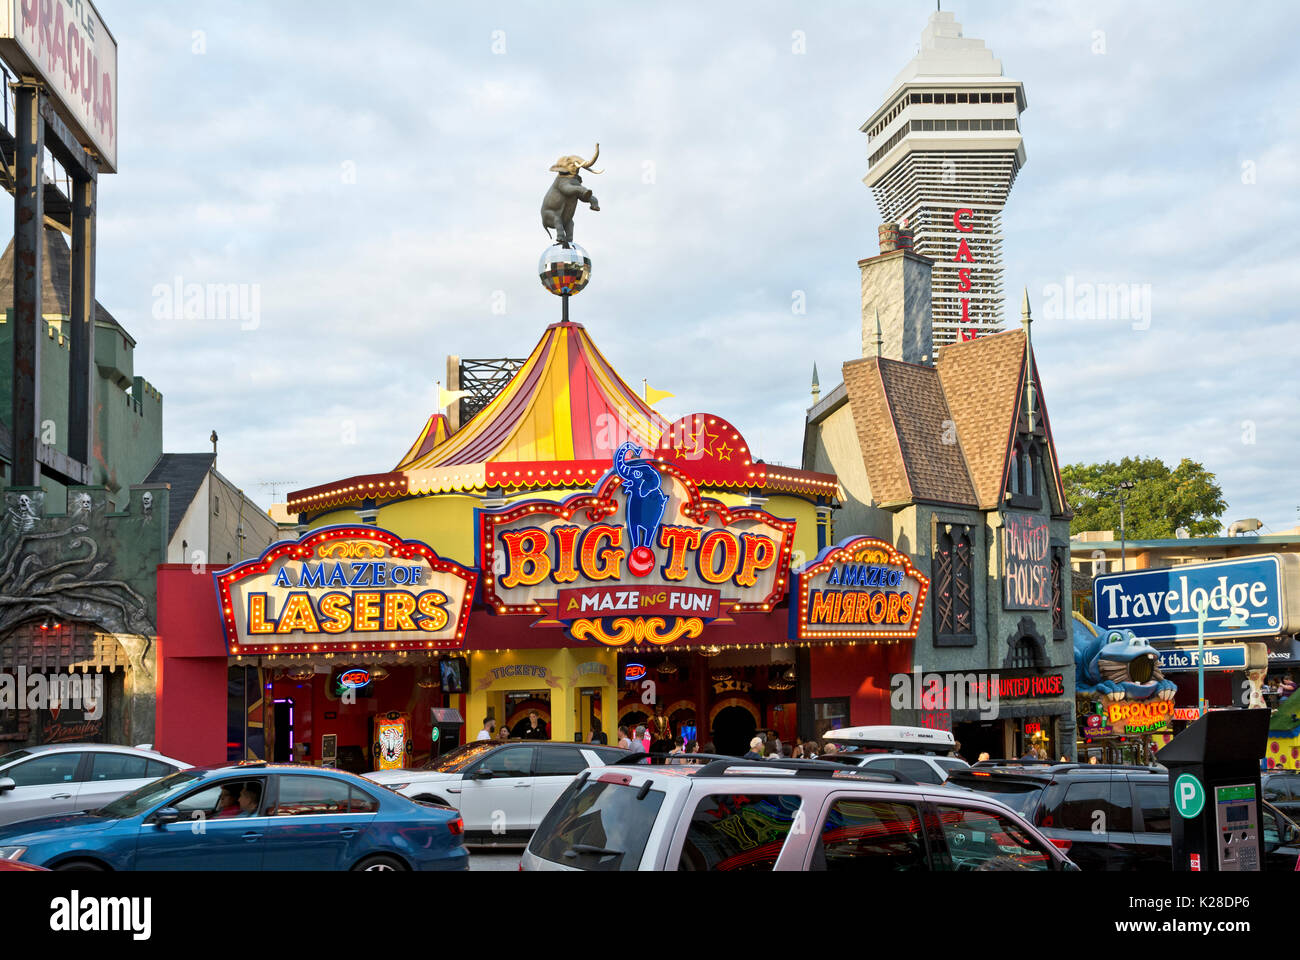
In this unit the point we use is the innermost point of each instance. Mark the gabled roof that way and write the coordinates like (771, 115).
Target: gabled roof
(184, 472)
(983, 380)
(902, 419)
(944, 434)
(56, 280)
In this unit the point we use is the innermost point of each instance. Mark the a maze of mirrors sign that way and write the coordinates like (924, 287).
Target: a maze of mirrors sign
(862, 588)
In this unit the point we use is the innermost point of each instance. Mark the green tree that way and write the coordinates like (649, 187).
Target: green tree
(1161, 501)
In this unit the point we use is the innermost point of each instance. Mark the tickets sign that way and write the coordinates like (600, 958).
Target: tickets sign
(345, 588)
(644, 558)
(862, 588)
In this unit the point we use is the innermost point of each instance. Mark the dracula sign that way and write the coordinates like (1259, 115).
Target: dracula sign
(643, 558)
(345, 588)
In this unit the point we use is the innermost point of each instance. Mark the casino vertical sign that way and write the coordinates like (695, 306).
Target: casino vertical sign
(345, 588)
(66, 44)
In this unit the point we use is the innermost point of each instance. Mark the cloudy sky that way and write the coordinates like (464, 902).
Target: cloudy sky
(372, 173)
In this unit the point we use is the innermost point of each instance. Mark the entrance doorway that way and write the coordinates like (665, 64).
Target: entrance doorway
(282, 751)
(733, 728)
(980, 737)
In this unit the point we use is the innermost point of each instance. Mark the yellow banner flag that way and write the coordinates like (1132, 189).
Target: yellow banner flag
(653, 396)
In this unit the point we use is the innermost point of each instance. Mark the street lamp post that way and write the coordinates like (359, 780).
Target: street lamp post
(1201, 609)
(1124, 487)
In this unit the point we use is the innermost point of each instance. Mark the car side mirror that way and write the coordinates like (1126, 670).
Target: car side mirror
(7, 784)
(165, 816)
(481, 774)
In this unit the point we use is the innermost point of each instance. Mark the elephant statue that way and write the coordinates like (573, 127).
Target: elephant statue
(645, 500)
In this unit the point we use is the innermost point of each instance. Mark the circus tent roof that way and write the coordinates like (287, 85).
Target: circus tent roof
(557, 423)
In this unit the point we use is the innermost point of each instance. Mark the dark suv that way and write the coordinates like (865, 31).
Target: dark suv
(1114, 817)
(1283, 791)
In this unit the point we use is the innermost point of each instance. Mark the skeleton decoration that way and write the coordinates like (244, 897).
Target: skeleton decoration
(52, 567)
(562, 199)
(81, 504)
(146, 504)
(20, 515)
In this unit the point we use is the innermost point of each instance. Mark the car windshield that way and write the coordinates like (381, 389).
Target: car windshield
(138, 801)
(9, 758)
(458, 759)
(1019, 795)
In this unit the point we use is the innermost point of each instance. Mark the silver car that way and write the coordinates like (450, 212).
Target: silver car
(68, 777)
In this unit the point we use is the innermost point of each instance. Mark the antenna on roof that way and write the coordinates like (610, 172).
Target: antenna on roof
(880, 337)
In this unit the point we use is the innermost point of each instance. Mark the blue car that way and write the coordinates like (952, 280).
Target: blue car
(247, 816)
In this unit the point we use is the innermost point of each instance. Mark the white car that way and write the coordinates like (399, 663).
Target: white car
(502, 790)
(68, 777)
(918, 753)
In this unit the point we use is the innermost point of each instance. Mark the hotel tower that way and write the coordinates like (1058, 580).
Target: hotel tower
(944, 149)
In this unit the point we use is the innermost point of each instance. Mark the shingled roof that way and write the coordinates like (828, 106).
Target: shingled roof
(902, 417)
(943, 434)
(184, 473)
(56, 276)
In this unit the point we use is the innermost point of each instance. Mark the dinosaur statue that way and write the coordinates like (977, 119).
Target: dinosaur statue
(1117, 664)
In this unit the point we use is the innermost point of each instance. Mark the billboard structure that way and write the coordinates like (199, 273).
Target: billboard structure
(65, 101)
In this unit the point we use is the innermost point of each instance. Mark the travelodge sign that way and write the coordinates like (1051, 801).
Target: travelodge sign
(345, 588)
(643, 558)
(862, 588)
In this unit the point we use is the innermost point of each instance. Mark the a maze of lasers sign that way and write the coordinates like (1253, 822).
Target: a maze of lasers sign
(66, 45)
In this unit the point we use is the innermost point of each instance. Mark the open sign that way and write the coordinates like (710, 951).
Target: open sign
(633, 672)
(354, 678)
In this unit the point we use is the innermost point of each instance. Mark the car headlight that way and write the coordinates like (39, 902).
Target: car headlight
(12, 853)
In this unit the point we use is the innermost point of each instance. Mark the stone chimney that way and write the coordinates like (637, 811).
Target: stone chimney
(896, 285)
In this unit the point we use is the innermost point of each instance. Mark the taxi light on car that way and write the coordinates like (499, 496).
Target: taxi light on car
(457, 827)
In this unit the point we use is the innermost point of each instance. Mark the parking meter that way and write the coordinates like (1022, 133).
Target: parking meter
(445, 735)
(1214, 792)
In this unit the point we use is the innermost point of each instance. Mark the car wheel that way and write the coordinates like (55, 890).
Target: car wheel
(84, 865)
(381, 862)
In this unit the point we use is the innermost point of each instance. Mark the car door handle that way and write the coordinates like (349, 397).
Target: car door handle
(349, 832)
(60, 796)
(252, 835)
(521, 785)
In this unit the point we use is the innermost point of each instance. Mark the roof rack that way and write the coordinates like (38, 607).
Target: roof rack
(810, 769)
(676, 758)
(1071, 765)
(718, 765)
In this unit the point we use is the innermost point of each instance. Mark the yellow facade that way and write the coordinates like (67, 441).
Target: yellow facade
(567, 676)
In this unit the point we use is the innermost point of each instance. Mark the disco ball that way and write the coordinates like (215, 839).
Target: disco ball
(564, 269)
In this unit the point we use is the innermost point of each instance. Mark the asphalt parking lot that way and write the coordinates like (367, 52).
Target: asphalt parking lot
(494, 858)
